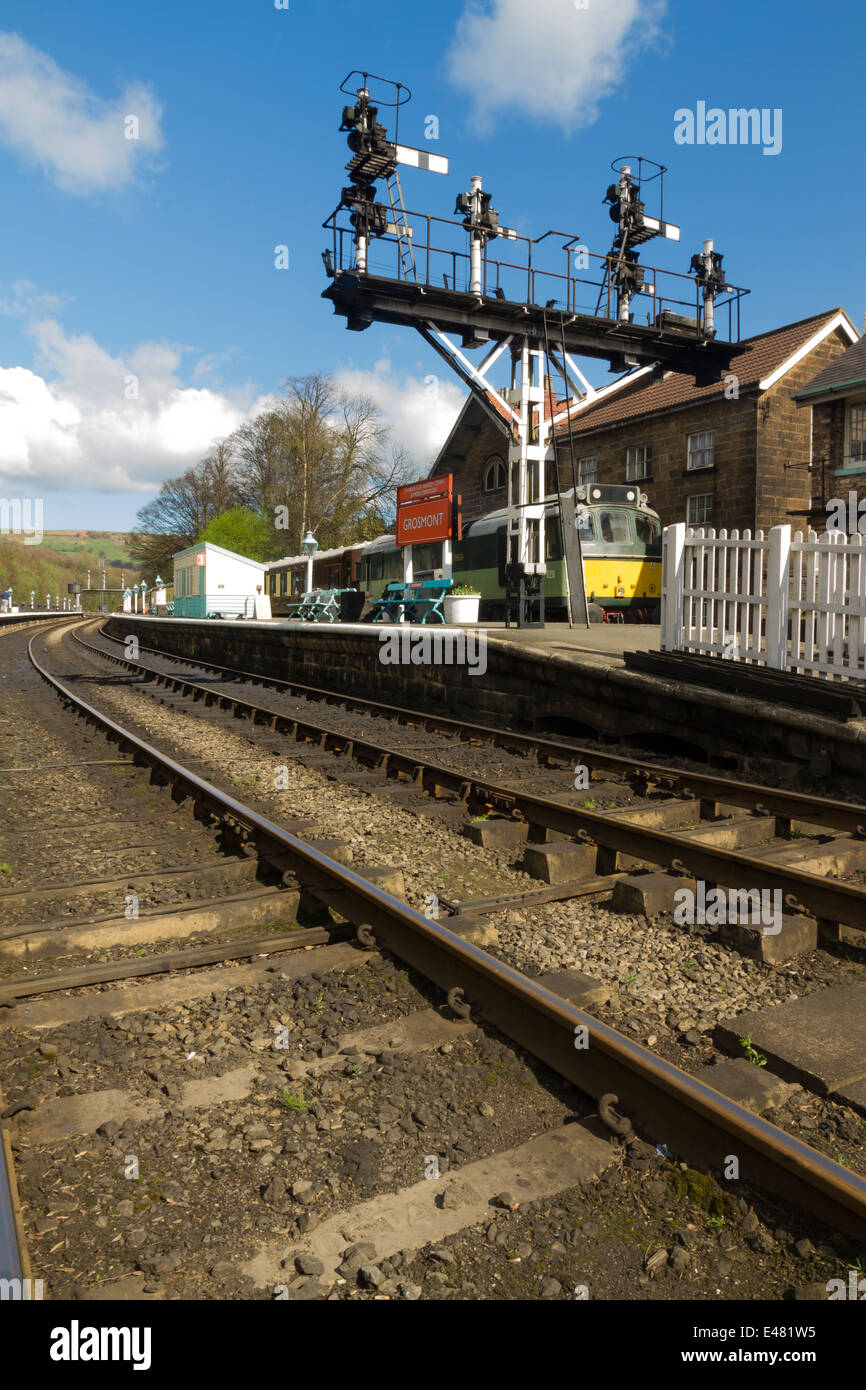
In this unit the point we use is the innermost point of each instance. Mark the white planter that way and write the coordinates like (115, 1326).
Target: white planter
(462, 608)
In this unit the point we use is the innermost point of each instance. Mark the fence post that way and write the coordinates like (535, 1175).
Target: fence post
(673, 567)
(778, 560)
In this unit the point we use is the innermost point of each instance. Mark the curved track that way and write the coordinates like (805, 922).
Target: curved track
(663, 1102)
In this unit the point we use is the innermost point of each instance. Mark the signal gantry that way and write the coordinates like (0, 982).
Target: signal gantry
(389, 265)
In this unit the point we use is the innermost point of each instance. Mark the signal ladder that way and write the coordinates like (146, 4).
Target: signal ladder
(400, 228)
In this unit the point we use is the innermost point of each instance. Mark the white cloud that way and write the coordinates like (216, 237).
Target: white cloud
(54, 120)
(106, 423)
(84, 418)
(549, 58)
(419, 410)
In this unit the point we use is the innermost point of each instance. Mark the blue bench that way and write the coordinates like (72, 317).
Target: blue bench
(417, 601)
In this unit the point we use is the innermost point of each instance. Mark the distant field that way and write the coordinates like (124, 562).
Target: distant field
(105, 545)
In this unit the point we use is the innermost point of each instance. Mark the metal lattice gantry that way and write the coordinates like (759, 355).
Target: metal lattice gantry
(544, 301)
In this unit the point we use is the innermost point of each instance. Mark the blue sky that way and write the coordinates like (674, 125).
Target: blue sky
(154, 258)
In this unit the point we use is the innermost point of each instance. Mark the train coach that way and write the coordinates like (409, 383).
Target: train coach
(620, 538)
(332, 569)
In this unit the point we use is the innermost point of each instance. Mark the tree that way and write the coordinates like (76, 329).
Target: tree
(183, 508)
(317, 458)
(320, 459)
(242, 530)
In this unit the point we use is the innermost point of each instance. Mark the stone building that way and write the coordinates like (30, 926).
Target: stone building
(731, 454)
(835, 402)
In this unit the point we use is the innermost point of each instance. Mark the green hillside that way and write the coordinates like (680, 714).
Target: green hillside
(64, 557)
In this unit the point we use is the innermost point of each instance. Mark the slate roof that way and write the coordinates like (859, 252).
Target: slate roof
(847, 370)
(651, 393)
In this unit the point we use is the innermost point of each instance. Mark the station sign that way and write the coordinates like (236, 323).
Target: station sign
(425, 511)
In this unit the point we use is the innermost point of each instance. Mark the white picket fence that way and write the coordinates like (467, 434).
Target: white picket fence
(786, 602)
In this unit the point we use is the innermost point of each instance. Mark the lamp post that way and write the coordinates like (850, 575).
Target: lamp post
(309, 546)
(32, 599)
(135, 599)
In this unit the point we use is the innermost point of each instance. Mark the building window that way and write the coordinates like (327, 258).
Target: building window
(857, 434)
(587, 470)
(638, 462)
(700, 451)
(495, 474)
(699, 509)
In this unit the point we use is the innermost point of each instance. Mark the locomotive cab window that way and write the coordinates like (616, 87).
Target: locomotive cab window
(614, 528)
(649, 533)
(585, 527)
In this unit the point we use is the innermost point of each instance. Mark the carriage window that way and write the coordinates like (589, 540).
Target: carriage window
(648, 531)
(585, 526)
(552, 547)
(615, 528)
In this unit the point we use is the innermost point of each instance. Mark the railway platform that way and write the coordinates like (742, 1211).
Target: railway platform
(574, 683)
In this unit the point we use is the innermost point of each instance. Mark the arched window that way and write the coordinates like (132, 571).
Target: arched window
(494, 474)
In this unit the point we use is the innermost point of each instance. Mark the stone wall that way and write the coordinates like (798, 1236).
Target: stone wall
(525, 688)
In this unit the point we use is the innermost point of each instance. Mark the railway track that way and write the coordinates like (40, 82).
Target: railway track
(694, 824)
(693, 1121)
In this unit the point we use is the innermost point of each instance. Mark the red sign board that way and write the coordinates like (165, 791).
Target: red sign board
(429, 490)
(424, 511)
(200, 558)
(420, 522)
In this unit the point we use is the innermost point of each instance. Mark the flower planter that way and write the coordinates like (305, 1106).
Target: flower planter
(462, 608)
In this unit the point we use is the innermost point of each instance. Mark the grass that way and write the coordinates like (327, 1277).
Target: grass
(752, 1054)
(295, 1100)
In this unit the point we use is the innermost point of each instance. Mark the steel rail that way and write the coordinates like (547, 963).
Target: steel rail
(695, 1121)
(828, 900)
(787, 805)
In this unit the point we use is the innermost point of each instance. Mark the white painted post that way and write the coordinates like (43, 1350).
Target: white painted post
(778, 561)
(673, 562)
(408, 573)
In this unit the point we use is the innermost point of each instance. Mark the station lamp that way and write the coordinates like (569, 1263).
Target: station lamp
(309, 545)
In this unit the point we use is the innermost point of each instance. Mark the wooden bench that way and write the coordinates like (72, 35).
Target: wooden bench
(418, 601)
